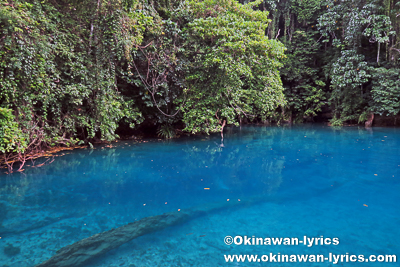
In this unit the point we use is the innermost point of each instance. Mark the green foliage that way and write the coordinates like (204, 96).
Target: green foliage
(386, 91)
(166, 131)
(304, 84)
(360, 32)
(349, 73)
(75, 71)
(336, 121)
(355, 35)
(58, 65)
(307, 10)
(234, 67)
(346, 21)
(11, 137)
(207, 62)
(363, 117)
(379, 27)
(157, 71)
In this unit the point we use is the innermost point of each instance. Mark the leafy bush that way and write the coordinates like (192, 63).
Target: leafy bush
(11, 137)
(59, 66)
(386, 91)
(166, 131)
(234, 65)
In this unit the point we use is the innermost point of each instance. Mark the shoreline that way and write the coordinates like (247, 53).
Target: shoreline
(51, 152)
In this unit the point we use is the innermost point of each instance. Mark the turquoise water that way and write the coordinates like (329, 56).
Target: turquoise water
(307, 181)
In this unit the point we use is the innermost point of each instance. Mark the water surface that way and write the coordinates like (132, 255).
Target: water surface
(310, 180)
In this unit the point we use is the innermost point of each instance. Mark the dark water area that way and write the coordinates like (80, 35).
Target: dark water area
(309, 180)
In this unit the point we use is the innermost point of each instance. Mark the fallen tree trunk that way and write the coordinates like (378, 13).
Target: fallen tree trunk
(79, 253)
(82, 251)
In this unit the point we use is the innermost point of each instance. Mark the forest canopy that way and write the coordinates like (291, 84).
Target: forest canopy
(77, 71)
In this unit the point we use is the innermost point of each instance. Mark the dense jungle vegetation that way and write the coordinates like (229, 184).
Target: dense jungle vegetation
(77, 71)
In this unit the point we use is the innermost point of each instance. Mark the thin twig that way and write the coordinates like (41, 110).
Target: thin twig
(278, 34)
(318, 40)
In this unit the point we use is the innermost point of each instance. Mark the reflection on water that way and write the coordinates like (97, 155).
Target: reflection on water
(89, 191)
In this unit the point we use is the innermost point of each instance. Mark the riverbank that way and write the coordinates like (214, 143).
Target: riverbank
(17, 162)
(46, 156)
(7, 161)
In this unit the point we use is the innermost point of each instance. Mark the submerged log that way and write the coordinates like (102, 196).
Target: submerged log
(79, 253)
(82, 251)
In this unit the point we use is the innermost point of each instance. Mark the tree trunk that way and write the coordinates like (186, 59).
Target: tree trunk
(370, 120)
(379, 48)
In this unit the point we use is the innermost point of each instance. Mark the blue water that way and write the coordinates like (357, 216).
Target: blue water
(308, 180)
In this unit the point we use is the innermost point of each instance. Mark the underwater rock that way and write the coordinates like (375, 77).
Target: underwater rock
(10, 250)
